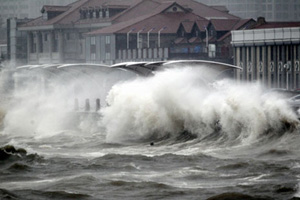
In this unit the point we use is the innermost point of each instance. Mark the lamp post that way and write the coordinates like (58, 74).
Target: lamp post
(160, 30)
(138, 37)
(128, 37)
(148, 37)
(206, 32)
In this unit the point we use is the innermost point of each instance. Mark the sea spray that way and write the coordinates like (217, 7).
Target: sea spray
(178, 100)
(42, 102)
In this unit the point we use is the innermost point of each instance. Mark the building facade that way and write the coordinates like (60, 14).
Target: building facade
(3, 52)
(171, 30)
(269, 55)
(23, 9)
(26, 8)
(58, 35)
(271, 10)
(16, 42)
(134, 30)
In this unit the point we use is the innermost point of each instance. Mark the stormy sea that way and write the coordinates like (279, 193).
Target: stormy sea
(169, 136)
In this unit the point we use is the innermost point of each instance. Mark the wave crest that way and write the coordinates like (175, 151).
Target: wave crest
(178, 100)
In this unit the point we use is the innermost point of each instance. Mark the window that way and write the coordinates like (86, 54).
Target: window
(81, 48)
(212, 51)
(93, 56)
(91, 14)
(107, 55)
(45, 16)
(107, 13)
(72, 36)
(107, 39)
(93, 41)
(46, 37)
(67, 36)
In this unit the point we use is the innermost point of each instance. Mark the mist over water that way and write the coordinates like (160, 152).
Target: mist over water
(208, 138)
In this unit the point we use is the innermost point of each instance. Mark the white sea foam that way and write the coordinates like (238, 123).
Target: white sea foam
(178, 99)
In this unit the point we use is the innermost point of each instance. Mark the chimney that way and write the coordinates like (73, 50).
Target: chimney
(261, 21)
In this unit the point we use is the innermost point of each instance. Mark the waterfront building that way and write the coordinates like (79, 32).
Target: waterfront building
(135, 30)
(16, 42)
(57, 35)
(171, 31)
(23, 9)
(269, 53)
(26, 8)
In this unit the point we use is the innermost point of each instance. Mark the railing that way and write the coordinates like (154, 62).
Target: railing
(145, 53)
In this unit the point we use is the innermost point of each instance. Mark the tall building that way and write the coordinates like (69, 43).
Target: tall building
(271, 10)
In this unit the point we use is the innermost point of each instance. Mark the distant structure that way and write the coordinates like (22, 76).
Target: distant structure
(101, 31)
(23, 9)
(26, 8)
(3, 52)
(269, 53)
(271, 10)
(16, 42)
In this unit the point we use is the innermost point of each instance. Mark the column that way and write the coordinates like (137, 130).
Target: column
(37, 37)
(268, 64)
(252, 64)
(238, 62)
(295, 72)
(60, 46)
(257, 62)
(277, 49)
(246, 68)
(29, 46)
(264, 66)
(242, 62)
(50, 45)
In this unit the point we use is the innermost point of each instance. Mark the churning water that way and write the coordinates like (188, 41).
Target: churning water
(170, 136)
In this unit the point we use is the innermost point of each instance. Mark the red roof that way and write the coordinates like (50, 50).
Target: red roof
(181, 40)
(239, 24)
(220, 8)
(202, 24)
(135, 9)
(72, 15)
(188, 25)
(156, 20)
(203, 10)
(224, 24)
(55, 8)
(195, 40)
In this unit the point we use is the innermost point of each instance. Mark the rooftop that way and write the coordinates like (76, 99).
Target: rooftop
(132, 9)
